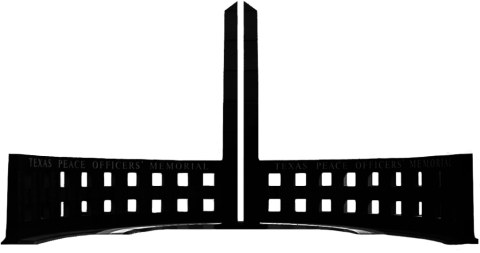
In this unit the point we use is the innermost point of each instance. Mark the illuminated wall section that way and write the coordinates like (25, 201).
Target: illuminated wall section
(51, 194)
(429, 194)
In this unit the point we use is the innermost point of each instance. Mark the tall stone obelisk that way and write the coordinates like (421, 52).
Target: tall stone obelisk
(252, 182)
(240, 119)
(230, 176)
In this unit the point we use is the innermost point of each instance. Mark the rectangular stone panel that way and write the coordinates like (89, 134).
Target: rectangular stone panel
(250, 25)
(231, 90)
(231, 56)
(231, 25)
(250, 55)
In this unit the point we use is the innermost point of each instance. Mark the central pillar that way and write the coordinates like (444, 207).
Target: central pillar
(240, 121)
(231, 172)
(252, 181)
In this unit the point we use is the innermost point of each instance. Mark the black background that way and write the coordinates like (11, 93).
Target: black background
(342, 80)
(126, 83)
(359, 80)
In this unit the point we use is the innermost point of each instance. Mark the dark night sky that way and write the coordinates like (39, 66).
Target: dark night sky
(355, 84)
(355, 94)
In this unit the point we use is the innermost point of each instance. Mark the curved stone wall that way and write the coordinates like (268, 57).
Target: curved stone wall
(59, 196)
(427, 194)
